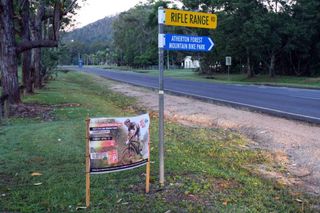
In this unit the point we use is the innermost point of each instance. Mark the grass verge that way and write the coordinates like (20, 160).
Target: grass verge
(205, 168)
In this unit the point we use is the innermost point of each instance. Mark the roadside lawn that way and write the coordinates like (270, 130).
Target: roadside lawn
(42, 161)
(189, 74)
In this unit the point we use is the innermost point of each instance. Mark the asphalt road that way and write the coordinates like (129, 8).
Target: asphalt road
(293, 103)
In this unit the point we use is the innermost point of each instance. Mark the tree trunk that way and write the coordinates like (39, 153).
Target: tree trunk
(37, 68)
(26, 56)
(250, 73)
(26, 71)
(9, 49)
(271, 66)
(36, 31)
(8, 56)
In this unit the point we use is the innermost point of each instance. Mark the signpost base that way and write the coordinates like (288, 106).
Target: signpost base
(148, 168)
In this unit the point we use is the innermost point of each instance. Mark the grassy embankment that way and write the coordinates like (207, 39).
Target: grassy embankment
(206, 169)
(189, 74)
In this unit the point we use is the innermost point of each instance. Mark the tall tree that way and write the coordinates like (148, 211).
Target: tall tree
(25, 35)
(8, 55)
(303, 51)
(10, 48)
(135, 35)
(36, 26)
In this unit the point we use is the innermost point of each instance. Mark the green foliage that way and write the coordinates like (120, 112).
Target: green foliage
(274, 37)
(135, 41)
(268, 36)
(50, 60)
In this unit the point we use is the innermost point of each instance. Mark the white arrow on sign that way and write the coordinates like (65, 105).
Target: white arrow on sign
(212, 44)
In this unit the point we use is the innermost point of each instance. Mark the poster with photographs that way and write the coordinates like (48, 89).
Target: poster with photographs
(118, 143)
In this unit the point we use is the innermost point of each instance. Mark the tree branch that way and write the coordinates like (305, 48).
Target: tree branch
(70, 7)
(50, 13)
(28, 45)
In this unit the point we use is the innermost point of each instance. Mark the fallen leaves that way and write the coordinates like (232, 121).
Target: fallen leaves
(37, 184)
(35, 174)
(80, 207)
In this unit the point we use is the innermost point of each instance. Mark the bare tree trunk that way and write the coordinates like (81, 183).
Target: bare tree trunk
(250, 73)
(37, 68)
(8, 55)
(26, 55)
(271, 66)
(26, 71)
(36, 36)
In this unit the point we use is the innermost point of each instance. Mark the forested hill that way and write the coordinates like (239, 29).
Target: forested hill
(90, 42)
(99, 31)
(262, 37)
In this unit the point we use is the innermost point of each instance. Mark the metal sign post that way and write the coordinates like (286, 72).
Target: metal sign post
(161, 95)
(181, 18)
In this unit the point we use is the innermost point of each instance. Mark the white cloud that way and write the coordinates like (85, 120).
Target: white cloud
(93, 10)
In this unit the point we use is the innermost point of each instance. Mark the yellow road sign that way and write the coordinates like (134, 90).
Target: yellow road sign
(190, 19)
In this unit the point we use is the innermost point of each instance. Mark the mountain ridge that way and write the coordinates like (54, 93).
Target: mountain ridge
(98, 31)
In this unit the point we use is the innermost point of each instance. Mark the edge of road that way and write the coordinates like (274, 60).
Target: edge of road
(239, 83)
(287, 86)
(237, 105)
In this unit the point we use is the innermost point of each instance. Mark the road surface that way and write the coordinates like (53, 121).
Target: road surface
(293, 103)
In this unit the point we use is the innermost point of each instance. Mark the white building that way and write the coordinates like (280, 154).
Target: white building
(188, 63)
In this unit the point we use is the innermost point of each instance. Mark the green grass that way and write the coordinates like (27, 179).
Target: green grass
(189, 74)
(205, 168)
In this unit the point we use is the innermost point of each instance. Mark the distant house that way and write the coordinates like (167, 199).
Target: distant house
(188, 63)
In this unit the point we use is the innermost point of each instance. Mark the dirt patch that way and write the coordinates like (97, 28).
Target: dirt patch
(66, 105)
(312, 80)
(206, 189)
(43, 112)
(37, 160)
(295, 145)
(189, 187)
(4, 181)
(40, 111)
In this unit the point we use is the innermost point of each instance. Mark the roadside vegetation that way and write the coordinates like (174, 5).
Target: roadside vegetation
(42, 161)
(277, 38)
(263, 79)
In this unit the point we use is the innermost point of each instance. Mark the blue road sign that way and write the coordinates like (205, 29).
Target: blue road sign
(187, 42)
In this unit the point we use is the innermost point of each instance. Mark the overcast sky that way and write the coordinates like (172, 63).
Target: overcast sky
(93, 10)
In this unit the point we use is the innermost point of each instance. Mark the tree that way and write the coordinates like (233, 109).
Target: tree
(25, 35)
(11, 48)
(303, 50)
(135, 36)
(282, 35)
(8, 55)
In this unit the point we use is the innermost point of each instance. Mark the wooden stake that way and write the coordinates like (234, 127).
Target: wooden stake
(148, 166)
(87, 164)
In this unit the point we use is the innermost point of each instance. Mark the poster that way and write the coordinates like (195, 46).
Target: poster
(118, 143)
